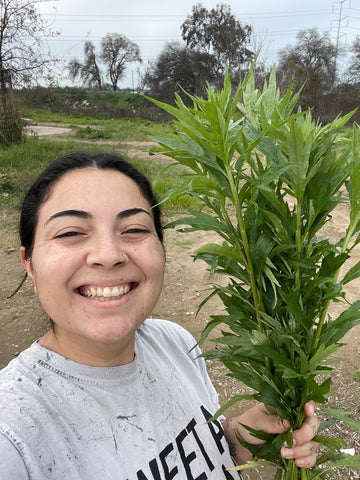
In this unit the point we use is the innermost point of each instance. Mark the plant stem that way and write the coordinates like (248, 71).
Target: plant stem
(298, 240)
(258, 303)
(304, 474)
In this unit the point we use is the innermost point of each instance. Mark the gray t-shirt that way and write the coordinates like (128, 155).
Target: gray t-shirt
(146, 420)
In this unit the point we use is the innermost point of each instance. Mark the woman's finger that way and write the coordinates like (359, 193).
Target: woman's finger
(304, 455)
(307, 431)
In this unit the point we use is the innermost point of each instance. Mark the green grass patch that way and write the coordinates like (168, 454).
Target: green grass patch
(20, 164)
(117, 129)
(44, 116)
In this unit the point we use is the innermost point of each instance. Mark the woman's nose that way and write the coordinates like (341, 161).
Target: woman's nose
(107, 251)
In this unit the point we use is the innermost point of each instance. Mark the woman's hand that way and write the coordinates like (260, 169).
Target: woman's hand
(303, 450)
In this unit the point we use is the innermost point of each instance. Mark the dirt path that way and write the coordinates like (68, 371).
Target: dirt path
(22, 320)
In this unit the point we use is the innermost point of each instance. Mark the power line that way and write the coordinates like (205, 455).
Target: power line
(176, 17)
(167, 18)
(95, 39)
(171, 15)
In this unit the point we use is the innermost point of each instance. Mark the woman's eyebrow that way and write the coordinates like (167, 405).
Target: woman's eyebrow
(131, 211)
(82, 214)
(69, 213)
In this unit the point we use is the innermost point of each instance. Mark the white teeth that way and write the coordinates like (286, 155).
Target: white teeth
(115, 292)
(106, 293)
(124, 290)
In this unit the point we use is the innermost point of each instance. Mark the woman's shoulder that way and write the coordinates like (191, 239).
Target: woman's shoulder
(16, 363)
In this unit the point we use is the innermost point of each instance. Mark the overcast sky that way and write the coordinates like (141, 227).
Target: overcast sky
(153, 23)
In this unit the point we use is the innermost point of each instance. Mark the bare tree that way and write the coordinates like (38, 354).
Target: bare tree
(116, 52)
(88, 71)
(23, 57)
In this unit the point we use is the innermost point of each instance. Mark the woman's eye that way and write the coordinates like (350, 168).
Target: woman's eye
(68, 234)
(134, 234)
(136, 230)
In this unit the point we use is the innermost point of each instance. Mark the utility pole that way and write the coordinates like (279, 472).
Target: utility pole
(341, 18)
(339, 24)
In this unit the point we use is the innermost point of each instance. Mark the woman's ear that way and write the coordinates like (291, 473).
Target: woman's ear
(26, 263)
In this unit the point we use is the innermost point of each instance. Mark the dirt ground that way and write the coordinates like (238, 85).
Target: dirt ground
(186, 282)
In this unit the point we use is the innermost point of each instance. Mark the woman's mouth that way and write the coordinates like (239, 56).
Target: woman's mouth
(104, 294)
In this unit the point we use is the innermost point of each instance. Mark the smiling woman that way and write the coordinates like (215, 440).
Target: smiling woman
(108, 392)
(107, 244)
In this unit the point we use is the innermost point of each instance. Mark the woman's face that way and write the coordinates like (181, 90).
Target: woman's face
(97, 265)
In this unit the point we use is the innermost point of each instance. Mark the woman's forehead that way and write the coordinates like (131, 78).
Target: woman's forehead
(94, 190)
(92, 182)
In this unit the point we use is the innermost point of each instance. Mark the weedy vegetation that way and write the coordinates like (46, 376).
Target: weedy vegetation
(268, 179)
(21, 163)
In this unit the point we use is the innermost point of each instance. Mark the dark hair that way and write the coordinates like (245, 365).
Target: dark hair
(40, 191)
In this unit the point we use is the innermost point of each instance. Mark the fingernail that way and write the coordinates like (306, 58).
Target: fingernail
(288, 453)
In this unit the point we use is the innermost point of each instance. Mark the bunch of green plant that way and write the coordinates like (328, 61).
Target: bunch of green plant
(92, 133)
(269, 180)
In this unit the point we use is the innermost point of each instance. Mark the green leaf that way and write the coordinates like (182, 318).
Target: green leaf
(294, 306)
(321, 354)
(349, 461)
(334, 330)
(252, 464)
(351, 274)
(173, 147)
(318, 392)
(199, 221)
(331, 264)
(229, 404)
(344, 417)
(265, 145)
(332, 443)
(354, 189)
(223, 250)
